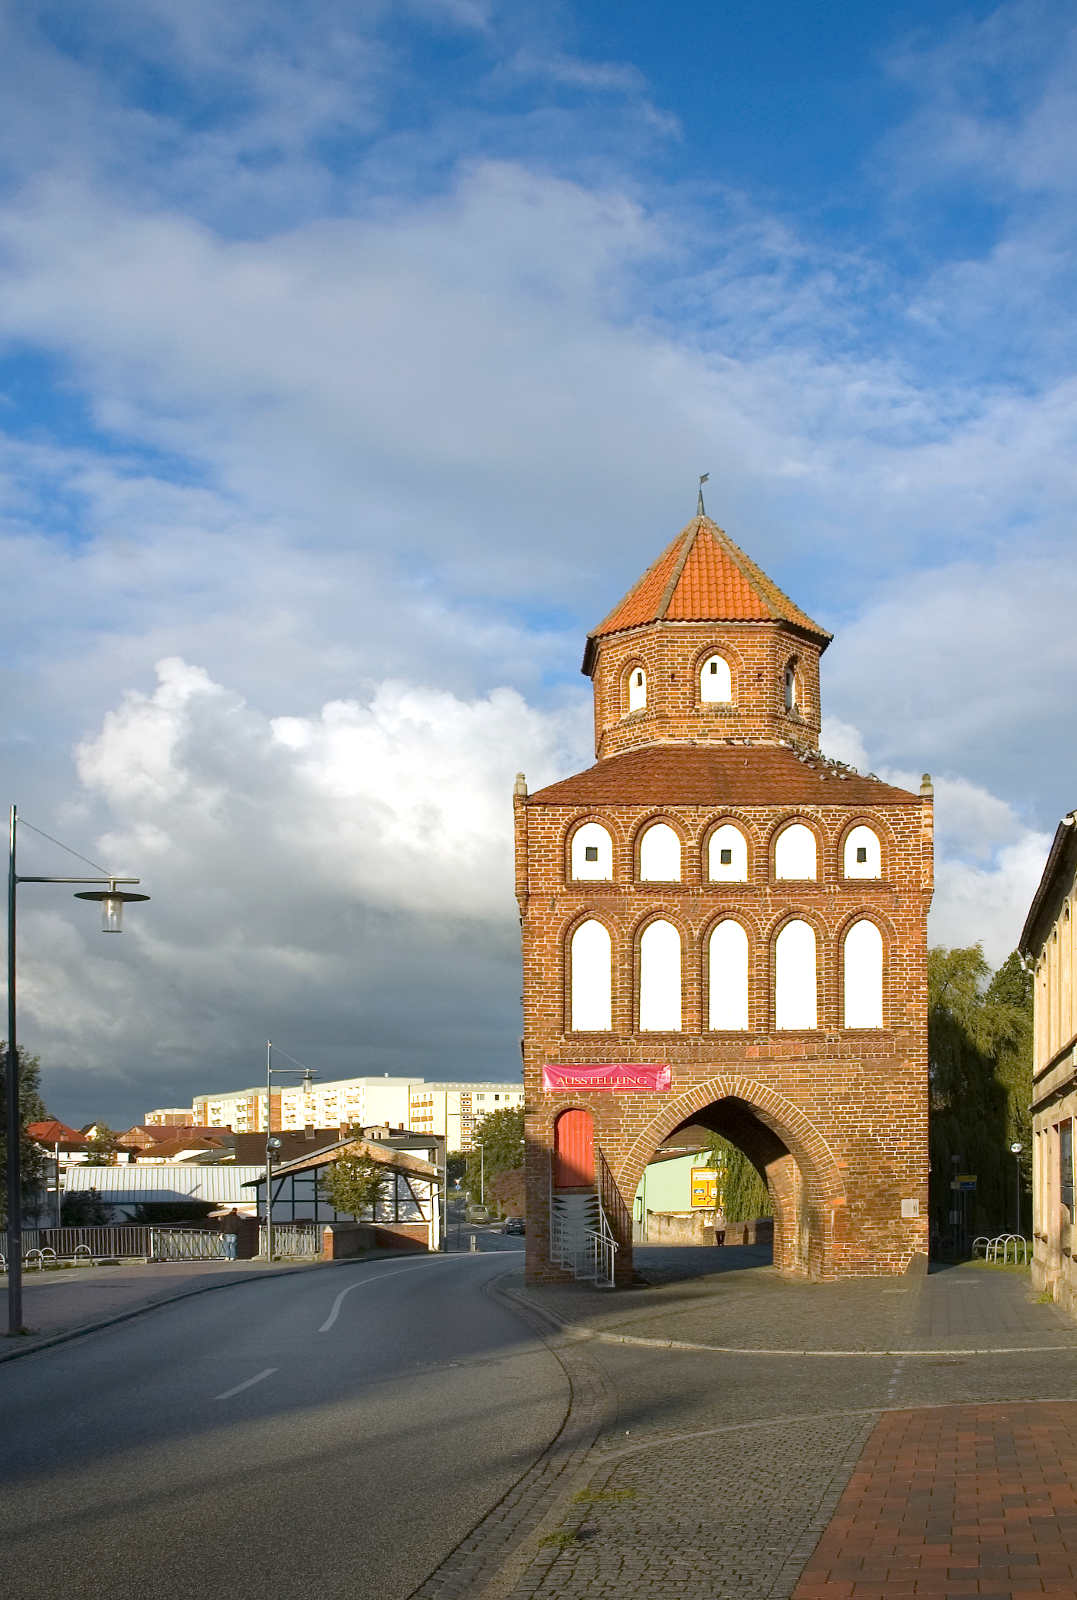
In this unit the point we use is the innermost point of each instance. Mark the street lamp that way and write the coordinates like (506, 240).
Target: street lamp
(112, 899)
(272, 1144)
(1015, 1151)
(478, 1145)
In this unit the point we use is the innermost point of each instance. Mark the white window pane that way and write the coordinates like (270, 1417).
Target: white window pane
(592, 852)
(728, 973)
(794, 853)
(660, 978)
(660, 855)
(794, 977)
(715, 681)
(863, 973)
(862, 856)
(727, 855)
(592, 977)
(637, 689)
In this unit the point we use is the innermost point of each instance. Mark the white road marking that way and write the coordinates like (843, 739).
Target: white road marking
(228, 1393)
(363, 1283)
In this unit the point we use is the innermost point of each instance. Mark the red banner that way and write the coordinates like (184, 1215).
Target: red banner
(622, 1075)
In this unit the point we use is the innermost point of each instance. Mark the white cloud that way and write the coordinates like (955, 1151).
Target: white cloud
(351, 402)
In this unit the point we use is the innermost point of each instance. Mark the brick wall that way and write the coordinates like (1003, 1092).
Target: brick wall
(835, 1118)
(672, 654)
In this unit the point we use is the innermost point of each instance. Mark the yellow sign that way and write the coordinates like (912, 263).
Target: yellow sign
(704, 1187)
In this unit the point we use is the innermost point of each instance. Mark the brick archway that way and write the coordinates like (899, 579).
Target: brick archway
(801, 1172)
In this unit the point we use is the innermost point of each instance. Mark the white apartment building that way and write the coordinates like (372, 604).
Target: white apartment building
(448, 1109)
(454, 1109)
(320, 1105)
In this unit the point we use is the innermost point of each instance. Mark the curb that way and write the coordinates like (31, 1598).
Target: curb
(583, 1331)
(65, 1335)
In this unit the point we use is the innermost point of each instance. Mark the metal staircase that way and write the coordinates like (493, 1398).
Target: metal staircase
(582, 1227)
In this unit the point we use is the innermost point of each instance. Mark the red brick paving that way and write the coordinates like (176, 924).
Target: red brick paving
(955, 1501)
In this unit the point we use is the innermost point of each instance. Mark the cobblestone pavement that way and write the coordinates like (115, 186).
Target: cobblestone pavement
(732, 1433)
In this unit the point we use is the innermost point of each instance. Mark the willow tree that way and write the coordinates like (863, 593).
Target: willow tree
(742, 1193)
(980, 1055)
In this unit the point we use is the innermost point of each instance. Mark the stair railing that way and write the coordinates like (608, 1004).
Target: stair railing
(611, 1200)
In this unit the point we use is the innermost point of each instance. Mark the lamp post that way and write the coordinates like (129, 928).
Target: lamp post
(273, 1145)
(112, 899)
(1015, 1151)
(482, 1170)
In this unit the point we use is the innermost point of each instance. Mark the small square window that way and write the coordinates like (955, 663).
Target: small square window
(714, 669)
(639, 680)
(590, 852)
(861, 854)
(725, 857)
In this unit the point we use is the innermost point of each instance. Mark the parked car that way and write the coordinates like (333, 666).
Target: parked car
(513, 1225)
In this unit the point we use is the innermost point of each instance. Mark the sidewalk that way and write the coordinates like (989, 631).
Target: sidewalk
(59, 1304)
(789, 1441)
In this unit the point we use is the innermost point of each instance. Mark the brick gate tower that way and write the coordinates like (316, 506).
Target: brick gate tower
(723, 928)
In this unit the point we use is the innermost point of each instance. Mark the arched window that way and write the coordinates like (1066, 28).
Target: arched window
(727, 855)
(637, 689)
(863, 975)
(660, 854)
(728, 973)
(715, 680)
(592, 852)
(660, 979)
(794, 853)
(592, 978)
(862, 853)
(791, 688)
(795, 1004)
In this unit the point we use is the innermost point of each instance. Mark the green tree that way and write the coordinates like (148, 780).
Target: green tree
(742, 1193)
(355, 1183)
(980, 1061)
(83, 1208)
(1010, 993)
(101, 1148)
(34, 1159)
(501, 1134)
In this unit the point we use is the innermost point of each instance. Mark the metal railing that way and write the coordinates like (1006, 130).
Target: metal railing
(293, 1239)
(602, 1253)
(1000, 1247)
(191, 1244)
(123, 1243)
(611, 1200)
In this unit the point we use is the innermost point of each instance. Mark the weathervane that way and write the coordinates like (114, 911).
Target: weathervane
(699, 504)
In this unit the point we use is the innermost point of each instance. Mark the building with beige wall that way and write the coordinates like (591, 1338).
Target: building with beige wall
(1047, 946)
(450, 1110)
(454, 1110)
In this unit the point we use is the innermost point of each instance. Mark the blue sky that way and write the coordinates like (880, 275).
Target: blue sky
(354, 361)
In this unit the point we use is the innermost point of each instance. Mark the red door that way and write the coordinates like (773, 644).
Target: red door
(574, 1150)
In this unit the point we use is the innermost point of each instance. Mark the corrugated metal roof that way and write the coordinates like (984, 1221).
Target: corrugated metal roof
(129, 1184)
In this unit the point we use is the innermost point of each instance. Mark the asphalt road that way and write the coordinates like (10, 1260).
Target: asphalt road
(335, 1432)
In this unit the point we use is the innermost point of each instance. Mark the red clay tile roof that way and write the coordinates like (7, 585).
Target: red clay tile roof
(53, 1132)
(719, 775)
(704, 577)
